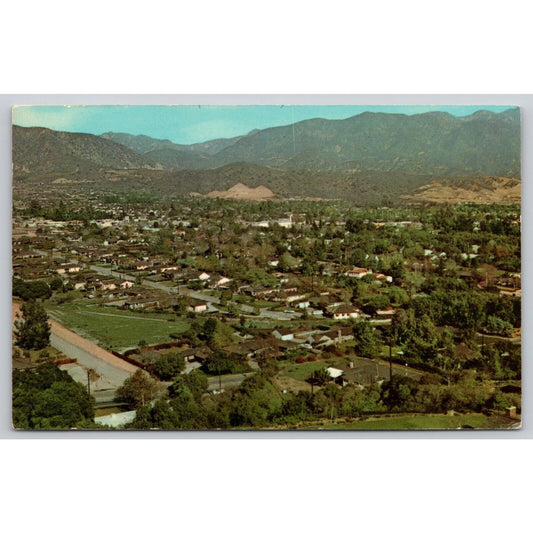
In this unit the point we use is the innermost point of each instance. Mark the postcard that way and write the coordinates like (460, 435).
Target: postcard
(266, 267)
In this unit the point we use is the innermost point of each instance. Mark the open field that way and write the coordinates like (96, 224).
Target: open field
(430, 421)
(114, 328)
(302, 371)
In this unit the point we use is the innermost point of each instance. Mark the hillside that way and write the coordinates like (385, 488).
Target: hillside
(39, 151)
(242, 192)
(173, 156)
(482, 190)
(434, 143)
(369, 158)
(438, 144)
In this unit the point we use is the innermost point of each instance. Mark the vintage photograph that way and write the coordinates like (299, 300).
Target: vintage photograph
(266, 267)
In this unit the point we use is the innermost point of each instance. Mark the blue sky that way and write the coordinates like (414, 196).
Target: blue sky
(186, 124)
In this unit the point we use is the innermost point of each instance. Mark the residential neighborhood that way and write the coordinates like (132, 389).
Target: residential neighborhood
(233, 297)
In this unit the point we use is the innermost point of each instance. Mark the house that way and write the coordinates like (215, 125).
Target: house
(139, 303)
(197, 306)
(334, 373)
(389, 311)
(283, 334)
(204, 276)
(358, 273)
(382, 277)
(127, 285)
(223, 281)
(200, 354)
(345, 311)
(169, 269)
(250, 348)
(143, 265)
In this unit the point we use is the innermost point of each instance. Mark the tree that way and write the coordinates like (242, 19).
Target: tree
(367, 342)
(196, 382)
(319, 377)
(138, 390)
(168, 366)
(48, 398)
(33, 331)
(209, 328)
(31, 290)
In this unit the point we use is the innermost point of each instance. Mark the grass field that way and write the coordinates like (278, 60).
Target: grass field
(301, 371)
(116, 329)
(475, 420)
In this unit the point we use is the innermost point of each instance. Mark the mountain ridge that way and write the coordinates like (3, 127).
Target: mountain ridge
(365, 157)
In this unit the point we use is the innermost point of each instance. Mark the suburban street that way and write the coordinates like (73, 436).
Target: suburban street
(265, 313)
(228, 382)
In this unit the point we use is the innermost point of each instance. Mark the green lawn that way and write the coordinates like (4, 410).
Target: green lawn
(301, 371)
(114, 328)
(475, 420)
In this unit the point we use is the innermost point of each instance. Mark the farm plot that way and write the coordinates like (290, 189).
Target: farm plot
(117, 329)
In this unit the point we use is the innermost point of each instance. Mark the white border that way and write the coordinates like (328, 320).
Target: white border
(524, 101)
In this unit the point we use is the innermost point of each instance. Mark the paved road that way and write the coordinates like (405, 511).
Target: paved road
(114, 375)
(228, 382)
(112, 370)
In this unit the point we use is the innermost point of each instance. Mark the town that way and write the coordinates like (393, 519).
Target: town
(191, 312)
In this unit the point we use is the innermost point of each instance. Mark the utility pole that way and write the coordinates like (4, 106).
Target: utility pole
(390, 362)
(89, 381)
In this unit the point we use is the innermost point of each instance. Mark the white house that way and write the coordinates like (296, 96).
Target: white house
(283, 335)
(344, 312)
(197, 306)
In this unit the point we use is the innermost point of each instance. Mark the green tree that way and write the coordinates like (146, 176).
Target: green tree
(194, 383)
(367, 341)
(48, 398)
(320, 377)
(168, 366)
(138, 390)
(33, 331)
(31, 290)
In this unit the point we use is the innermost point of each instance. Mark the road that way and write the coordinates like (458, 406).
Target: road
(112, 370)
(228, 382)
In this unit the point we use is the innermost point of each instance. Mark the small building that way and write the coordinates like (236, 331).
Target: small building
(389, 311)
(511, 412)
(197, 306)
(358, 273)
(283, 334)
(345, 311)
(334, 373)
(382, 277)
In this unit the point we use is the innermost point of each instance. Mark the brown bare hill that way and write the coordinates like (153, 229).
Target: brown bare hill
(488, 190)
(243, 192)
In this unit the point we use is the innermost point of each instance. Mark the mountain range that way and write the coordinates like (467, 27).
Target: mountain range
(360, 151)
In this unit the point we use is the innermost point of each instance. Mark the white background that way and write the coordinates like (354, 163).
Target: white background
(256, 484)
